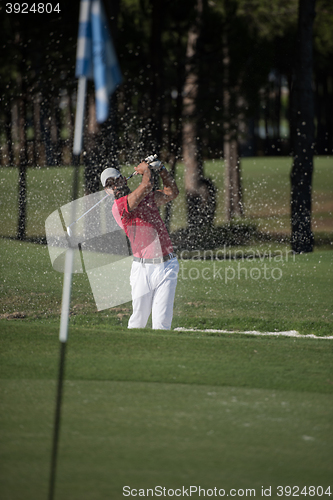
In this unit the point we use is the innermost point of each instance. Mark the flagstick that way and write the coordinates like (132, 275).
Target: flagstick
(66, 293)
(79, 118)
(57, 421)
(63, 335)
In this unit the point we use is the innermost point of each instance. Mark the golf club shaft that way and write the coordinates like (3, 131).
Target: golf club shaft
(135, 172)
(89, 210)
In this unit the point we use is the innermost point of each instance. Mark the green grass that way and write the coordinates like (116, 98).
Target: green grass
(266, 189)
(150, 408)
(167, 357)
(146, 408)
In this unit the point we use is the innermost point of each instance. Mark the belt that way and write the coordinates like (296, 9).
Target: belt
(157, 260)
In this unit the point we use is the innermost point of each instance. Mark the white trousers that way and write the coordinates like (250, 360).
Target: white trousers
(153, 291)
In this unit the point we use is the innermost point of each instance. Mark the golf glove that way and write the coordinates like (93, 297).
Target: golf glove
(153, 162)
(150, 158)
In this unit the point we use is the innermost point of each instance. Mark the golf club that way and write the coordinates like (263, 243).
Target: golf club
(69, 231)
(134, 173)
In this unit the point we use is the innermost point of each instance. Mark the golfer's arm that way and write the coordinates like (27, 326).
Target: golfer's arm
(170, 190)
(134, 198)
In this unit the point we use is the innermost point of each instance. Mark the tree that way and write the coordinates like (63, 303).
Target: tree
(22, 188)
(323, 74)
(303, 132)
(231, 94)
(200, 191)
(234, 48)
(28, 68)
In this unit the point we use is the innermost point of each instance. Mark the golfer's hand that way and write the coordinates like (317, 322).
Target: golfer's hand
(156, 165)
(142, 168)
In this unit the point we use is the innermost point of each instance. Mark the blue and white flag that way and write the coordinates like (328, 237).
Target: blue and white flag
(96, 58)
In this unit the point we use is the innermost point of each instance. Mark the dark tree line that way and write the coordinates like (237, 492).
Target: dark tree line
(201, 80)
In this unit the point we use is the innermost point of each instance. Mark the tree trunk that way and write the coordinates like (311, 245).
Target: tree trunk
(266, 117)
(232, 178)
(15, 132)
(46, 130)
(200, 192)
(278, 83)
(21, 230)
(37, 130)
(9, 142)
(91, 147)
(175, 138)
(70, 126)
(303, 133)
(58, 127)
(108, 136)
(324, 108)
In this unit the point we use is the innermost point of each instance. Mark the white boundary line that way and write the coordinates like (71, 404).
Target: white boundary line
(290, 333)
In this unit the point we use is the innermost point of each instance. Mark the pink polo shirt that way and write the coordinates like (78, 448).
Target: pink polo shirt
(144, 227)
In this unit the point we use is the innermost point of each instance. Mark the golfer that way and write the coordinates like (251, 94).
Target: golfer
(155, 266)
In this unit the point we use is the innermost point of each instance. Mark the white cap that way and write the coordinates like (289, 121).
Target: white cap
(109, 172)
